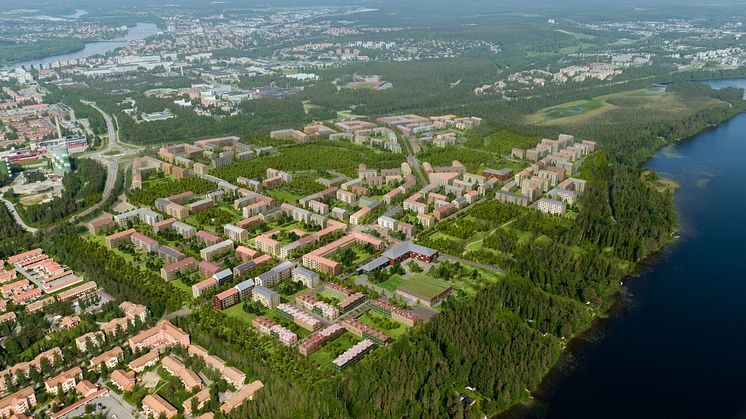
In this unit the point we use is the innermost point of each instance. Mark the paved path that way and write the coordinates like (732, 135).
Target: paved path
(182, 312)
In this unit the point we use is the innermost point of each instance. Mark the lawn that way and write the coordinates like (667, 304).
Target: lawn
(573, 109)
(237, 312)
(333, 349)
(275, 316)
(378, 321)
(424, 285)
(284, 196)
(392, 283)
(182, 286)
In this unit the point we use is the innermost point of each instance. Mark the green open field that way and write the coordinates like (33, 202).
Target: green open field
(392, 283)
(182, 286)
(284, 196)
(573, 109)
(237, 312)
(424, 285)
(275, 316)
(377, 321)
(654, 99)
(327, 353)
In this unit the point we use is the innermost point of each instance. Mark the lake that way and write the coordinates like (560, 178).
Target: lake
(675, 347)
(137, 32)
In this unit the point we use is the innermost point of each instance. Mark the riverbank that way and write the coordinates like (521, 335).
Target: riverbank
(77, 49)
(611, 363)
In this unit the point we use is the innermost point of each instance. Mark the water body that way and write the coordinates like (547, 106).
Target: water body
(676, 348)
(139, 31)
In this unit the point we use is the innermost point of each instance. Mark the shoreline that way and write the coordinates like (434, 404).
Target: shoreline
(585, 339)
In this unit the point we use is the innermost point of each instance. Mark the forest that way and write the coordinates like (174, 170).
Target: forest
(324, 155)
(162, 188)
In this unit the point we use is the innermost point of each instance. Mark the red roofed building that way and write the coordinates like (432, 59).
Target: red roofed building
(162, 334)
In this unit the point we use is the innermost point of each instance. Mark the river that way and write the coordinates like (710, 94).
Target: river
(675, 347)
(137, 32)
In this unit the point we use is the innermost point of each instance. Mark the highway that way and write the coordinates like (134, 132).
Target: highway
(110, 162)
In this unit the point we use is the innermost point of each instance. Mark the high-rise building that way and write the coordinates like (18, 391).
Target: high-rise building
(60, 160)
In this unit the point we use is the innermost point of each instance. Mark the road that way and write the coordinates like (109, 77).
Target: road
(470, 263)
(17, 217)
(110, 162)
(412, 160)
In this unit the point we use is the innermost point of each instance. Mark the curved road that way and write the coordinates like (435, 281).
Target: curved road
(17, 217)
(111, 162)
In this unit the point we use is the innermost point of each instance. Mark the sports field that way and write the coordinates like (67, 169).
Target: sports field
(424, 285)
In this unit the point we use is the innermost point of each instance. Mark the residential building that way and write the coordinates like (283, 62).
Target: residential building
(265, 296)
(101, 225)
(364, 331)
(18, 403)
(275, 275)
(551, 206)
(184, 267)
(156, 406)
(123, 380)
(238, 398)
(270, 328)
(300, 317)
(313, 342)
(308, 278)
(109, 358)
(267, 245)
(149, 359)
(96, 338)
(225, 299)
(204, 286)
(162, 334)
(66, 381)
(217, 250)
(406, 317)
(237, 234)
(175, 367)
(354, 354)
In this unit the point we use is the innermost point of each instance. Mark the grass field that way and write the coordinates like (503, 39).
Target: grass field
(284, 196)
(370, 318)
(573, 109)
(392, 283)
(333, 349)
(237, 312)
(424, 285)
(653, 99)
(182, 286)
(275, 316)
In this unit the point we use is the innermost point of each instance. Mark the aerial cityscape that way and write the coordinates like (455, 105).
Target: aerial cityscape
(374, 209)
